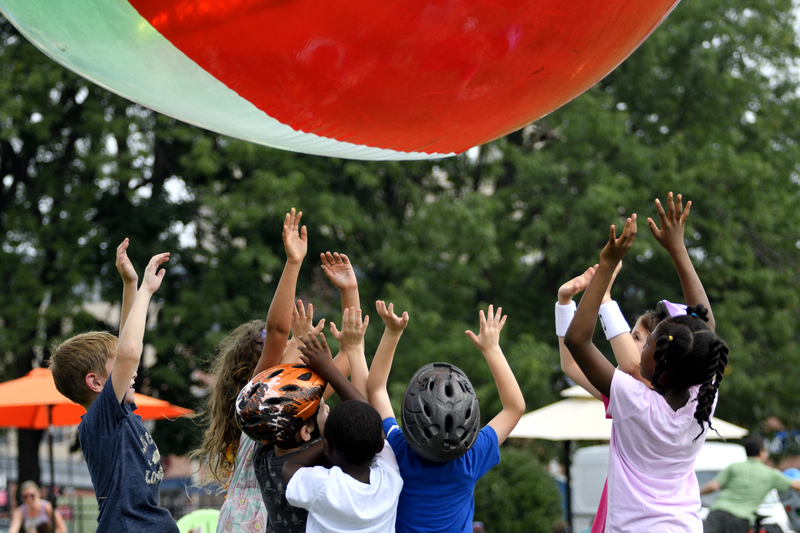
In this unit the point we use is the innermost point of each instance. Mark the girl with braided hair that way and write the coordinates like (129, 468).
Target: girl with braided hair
(655, 436)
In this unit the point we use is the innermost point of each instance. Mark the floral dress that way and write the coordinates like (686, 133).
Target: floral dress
(243, 510)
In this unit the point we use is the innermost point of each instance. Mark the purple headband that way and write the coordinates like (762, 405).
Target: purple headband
(673, 309)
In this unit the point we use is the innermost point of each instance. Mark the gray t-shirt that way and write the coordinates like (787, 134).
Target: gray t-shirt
(281, 516)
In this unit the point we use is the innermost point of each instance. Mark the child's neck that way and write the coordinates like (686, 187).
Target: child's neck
(357, 472)
(283, 451)
(676, 398)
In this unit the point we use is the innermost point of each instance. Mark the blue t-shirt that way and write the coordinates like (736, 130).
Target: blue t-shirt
(125, 467)
(438, 497)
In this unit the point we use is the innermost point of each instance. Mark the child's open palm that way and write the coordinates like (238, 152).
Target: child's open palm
(295, 237)
(339, 270)
(391, 320)
(303, 321)
(491, 325)
(576, 285)
(353, 328)
(124, 265)
(673, 222)
(152, 275)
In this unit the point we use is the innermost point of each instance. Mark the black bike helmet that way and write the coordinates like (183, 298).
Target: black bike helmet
(440, 413)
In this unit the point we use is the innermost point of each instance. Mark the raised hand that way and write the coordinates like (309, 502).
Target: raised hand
(391, 320)
(152, 275)
(353, 328)
(575, 286)
(673, 222)
(124, 265)
(295, 237)
(315, 353)
(616, 248)
(303, 321)
(491, 325)
(339, 270)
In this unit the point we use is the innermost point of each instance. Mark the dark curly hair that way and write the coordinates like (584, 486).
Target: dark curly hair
(688, 353)
(354, 431)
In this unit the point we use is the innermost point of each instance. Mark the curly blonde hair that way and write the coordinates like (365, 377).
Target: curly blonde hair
(236, 358)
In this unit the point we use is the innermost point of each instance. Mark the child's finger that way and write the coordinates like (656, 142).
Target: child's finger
(685, 214)
(323, 342)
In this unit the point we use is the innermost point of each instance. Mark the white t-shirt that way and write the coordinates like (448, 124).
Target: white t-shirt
(651, 481)
(337, 502)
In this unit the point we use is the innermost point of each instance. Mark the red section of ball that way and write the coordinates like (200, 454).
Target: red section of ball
(434, 76)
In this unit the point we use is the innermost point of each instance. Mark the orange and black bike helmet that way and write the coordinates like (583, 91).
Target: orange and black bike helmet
(275, 404)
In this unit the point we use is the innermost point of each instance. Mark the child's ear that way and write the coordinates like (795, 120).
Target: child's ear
(94, 382)
(304, 433)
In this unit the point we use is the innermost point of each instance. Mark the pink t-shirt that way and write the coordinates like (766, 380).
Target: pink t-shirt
(651, 481)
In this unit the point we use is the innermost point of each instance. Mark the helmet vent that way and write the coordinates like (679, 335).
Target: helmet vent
(305, 377)
(290, 388)
(273, 374)
(448, 423)
(274, 401)
(468, 414)
(430, 385)
(448, 390)
(427, 410)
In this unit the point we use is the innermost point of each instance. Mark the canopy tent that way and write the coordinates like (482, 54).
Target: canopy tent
(581, 416)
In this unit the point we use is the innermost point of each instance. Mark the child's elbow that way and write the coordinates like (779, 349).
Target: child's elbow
(275, 327)
(518, 409)
(570, 343)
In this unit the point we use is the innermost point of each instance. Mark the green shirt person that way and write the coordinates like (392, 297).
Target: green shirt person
(742, 488)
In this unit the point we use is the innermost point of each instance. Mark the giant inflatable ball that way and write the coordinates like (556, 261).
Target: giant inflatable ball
(361, 79)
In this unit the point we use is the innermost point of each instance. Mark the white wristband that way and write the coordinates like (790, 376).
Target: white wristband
(564, 314)
(611, 319)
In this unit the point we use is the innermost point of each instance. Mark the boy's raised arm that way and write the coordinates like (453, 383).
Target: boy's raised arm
(129, 280)
(670, 236)
(382, 362)
(317, 356)
(488, 342)
(312, 456)
(578, 339)
(131, 341)
(351, 341)
(279, 316)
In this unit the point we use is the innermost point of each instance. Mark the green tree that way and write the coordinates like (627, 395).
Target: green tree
(517, 496)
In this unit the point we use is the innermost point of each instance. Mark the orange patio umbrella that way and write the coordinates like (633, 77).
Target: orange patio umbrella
(26, 402)
(33, 402)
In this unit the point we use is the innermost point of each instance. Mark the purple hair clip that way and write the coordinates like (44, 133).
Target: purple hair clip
(264, 333)
(674, 309)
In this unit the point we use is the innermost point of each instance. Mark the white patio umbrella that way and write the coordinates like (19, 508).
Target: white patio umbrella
(581, 416)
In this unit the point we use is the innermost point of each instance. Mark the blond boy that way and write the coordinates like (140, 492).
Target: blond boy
(97, 370)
